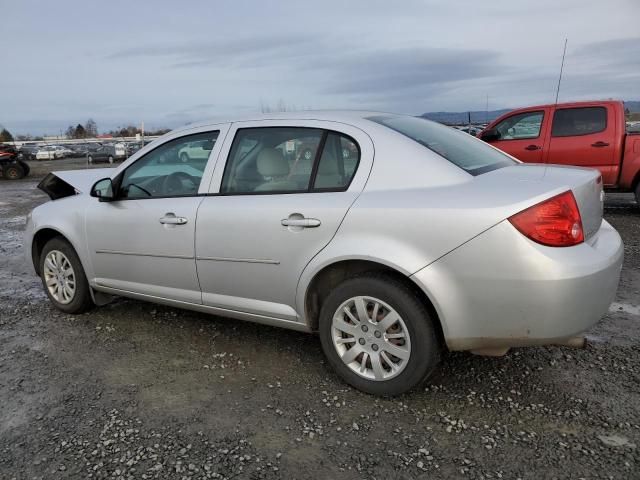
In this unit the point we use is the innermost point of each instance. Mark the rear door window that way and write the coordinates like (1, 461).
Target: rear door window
(569, 122)
(272, 160)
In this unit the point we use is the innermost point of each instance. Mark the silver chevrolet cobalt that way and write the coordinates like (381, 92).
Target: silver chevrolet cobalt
(393, 237)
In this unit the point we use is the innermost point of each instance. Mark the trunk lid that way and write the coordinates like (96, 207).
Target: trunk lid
(541, 180)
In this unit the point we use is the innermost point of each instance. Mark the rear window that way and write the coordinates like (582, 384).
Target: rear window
(461, 149)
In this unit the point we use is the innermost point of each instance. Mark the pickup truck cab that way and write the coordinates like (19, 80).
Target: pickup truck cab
(584, 134)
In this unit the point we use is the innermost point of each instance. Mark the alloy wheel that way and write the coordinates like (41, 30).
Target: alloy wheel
(59, 277)
(371, 338)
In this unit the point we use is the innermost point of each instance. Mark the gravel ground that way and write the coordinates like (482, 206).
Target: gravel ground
(135, 390)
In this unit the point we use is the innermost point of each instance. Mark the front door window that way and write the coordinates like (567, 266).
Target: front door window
(174, 169)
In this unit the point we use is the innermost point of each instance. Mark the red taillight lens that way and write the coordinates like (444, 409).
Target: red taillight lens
(555, 222)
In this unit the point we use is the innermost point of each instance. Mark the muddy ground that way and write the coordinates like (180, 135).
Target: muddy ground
(135, 390)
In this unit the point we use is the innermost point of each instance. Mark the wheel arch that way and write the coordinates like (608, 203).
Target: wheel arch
(329, 276)
(40, 239)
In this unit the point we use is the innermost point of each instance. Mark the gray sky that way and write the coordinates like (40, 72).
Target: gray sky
(172, 62)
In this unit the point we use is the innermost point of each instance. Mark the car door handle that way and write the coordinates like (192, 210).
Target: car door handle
(600, 144)
(300, 222)
(171, 219)
(533, 147)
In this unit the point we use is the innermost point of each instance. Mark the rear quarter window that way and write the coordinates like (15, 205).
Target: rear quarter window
(461, 149)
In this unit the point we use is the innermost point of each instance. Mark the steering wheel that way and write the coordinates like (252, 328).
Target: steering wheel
(172, 183)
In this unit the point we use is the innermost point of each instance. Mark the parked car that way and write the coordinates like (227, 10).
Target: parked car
(584, 134)
(78, 149)
(105, 153)
(11, 166)
(48, 152)
(29, 150)
(470, 129)
(199, 150)
(64, 151)
(438, 242)
(133, 147)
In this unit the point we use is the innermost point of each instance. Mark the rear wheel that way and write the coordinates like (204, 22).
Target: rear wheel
(15, 171)
(378, 335)
(63, 277)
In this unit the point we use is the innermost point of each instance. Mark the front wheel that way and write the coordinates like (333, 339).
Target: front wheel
(63, 277)
(378, 335)
(13, 172)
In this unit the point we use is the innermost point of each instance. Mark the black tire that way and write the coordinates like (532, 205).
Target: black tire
(81, 301)
(637, 192)
(13, 171)
(426, 348)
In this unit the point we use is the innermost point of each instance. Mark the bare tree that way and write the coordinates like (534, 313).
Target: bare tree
(91, 128)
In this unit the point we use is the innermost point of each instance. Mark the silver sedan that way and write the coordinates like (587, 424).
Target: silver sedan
(393, 237)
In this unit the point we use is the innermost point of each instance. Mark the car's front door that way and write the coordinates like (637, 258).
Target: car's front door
(143, 242)
(272, 209)
(522, 135)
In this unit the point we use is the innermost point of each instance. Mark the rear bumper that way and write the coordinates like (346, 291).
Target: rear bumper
(503, 290)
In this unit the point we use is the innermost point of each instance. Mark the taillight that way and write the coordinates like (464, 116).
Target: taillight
(555, 222)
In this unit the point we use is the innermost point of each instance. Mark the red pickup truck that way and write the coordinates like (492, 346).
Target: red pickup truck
(585, 134)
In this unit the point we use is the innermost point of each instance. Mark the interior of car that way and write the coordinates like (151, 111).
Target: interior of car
(282, 159)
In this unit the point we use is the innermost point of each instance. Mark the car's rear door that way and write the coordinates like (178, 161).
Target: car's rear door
(143, 242)
(585, 136)
(271, 209)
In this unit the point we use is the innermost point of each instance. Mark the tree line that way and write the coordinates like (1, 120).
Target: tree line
(88, 130)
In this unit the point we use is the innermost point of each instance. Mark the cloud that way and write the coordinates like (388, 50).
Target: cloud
(236, 52)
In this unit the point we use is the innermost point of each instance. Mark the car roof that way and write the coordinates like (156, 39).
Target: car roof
(351, 117)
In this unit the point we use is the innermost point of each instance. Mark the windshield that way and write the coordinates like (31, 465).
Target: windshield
(459, 148)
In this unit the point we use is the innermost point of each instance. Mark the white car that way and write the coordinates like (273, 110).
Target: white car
(199, 150)
(63, 151)
(48, 153)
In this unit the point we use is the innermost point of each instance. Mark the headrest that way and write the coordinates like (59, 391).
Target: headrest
(271, 163)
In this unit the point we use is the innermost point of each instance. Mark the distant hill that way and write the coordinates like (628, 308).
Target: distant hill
(456, 118)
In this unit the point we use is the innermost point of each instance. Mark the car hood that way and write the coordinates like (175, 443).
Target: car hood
(72, 182)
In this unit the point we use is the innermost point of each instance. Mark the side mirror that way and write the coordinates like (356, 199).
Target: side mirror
(103, 190)
(490, 135)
